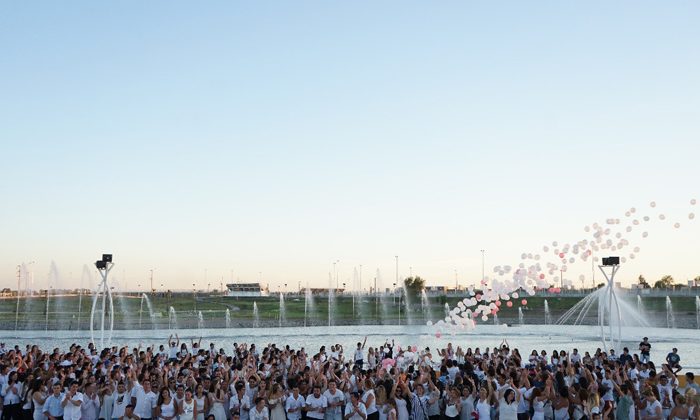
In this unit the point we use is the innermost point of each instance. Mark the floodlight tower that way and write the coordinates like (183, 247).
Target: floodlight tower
(104, 266)
(609, 307)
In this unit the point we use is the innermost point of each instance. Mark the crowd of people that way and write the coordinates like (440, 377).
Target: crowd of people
(185, 381)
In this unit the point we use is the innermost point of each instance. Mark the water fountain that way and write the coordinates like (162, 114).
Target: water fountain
(309, 307)
(670, 317)
(407, 304)
(104, 266)
(425, 305)
(640, 304)
(382, 296)
(331, 299)
(547, 315)
(149, 307)
(227, 318)
(283, 315)
(447, 310)
(612, 312)
(495, 320)
(48, 300)
(28, 300)
(200, 320)
(697, 311)
(172, 319)
(256, 315)
(55, 284)
(521, 317)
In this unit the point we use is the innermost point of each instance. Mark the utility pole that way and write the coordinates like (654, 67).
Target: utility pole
(152, 289)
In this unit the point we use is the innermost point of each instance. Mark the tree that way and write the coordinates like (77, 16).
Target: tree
(666, 282)
(414, 285)
(696, 281)
(643, 282)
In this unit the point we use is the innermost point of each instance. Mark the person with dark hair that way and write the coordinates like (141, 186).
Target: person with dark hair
(316, 404)
(71, 402)
(53, 410)
(355, 409)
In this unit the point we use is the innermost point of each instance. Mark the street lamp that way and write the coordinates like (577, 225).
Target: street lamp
(194, 296)
(104, 266)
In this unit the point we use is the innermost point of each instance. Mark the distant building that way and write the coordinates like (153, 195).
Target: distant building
(6, 292)
(246, 289)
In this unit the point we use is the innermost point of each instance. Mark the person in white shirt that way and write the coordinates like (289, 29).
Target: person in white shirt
(294, 404)
(359, 357)
(71, 403)
(90, 408)
(335, 400)
(355, 410)
(121, 400)
(259, 411)
(239, 403)
(143, 399)
(316, 404)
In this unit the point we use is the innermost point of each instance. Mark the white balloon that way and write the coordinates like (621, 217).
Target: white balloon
(676, 225)
(646, 218)
(429, 323)
(636, 249)
(652, 204)
(693, 202)
(645, 234)
(691, 216)
(662, 217)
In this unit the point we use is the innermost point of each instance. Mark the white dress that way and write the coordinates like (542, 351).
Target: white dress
(200, 407)
(538, 407)
(217, 410)
(187, 410)
(401, 409)
(38, 409)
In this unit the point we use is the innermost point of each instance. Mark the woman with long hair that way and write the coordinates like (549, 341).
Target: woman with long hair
(166, 408)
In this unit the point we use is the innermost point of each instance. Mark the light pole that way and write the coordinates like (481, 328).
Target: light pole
(153, 290)
(104, 266)
(194, 296)
(335, 272)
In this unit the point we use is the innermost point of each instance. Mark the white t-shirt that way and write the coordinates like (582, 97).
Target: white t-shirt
(350, 408)
(120, 403)
(338, 397)
(295, 404)
(145, 402)
(314, 404)
(71, 411)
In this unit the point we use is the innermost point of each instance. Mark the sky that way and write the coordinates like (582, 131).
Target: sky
(267, 141)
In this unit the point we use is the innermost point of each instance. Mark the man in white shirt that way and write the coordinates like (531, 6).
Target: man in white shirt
(294, 404)
(240, 403)
(355, 410)
(143, 399)
(335, 400)
(71, 403)
(359, 356)
(316, 404)
(90, 408)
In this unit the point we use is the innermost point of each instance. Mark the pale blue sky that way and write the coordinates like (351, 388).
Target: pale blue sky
(278, 137)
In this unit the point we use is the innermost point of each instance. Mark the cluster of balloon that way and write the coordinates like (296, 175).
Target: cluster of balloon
(537, 270)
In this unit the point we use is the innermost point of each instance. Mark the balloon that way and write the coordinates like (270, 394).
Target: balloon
(662, 217)
(676, 225)
(414, 348)
(478, 297)
(691, 216)
(509, 304)
(646, 218)
(515, 295)
(652, 204)
(437, 335)
(693, 202)
(645, 234)
(485, 318)
(498, 303)
(523, 302)
(561, 255)
(429, 323)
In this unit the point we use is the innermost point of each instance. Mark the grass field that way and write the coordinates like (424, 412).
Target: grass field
(73, 312)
